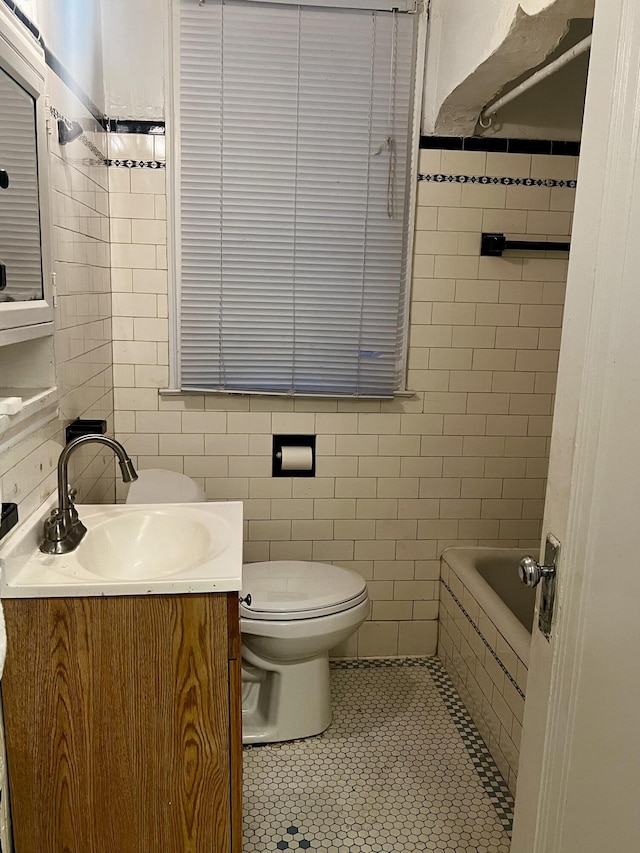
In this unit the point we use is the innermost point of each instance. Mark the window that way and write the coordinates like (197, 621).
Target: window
(292, 191)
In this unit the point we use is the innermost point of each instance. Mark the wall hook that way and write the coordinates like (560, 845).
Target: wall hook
(67, 132)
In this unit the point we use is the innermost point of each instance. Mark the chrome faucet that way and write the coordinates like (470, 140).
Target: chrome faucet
(63, 530)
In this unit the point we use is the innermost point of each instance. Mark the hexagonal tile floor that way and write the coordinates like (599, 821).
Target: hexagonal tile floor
(401, 768)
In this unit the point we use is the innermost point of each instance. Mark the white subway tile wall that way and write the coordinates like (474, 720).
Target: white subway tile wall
(83, 344)
(463, 461)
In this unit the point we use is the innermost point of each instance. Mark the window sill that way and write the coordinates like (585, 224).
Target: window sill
(178, 392)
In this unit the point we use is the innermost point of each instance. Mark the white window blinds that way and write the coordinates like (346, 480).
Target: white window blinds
(294, 140)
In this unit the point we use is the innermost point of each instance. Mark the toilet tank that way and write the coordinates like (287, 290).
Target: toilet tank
(156, 486)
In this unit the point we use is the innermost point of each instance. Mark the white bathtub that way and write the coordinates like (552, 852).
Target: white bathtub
(484, 641)
(491, 576)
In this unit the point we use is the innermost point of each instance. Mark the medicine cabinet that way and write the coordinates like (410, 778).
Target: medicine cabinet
(25, 241)
(28, 396)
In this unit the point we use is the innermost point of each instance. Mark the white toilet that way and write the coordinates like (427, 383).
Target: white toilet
(291, 615)
(297, 612)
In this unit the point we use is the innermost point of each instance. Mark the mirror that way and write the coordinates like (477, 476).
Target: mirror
(21, 277)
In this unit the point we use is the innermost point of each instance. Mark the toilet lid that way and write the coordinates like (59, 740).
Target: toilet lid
(288, 589)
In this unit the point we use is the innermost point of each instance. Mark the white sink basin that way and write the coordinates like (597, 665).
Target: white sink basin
(130, 550)
(151, 543)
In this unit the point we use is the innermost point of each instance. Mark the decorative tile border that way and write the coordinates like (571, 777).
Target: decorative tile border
(376, 663)
(138, 164)
(482, 637)
(57, 116)
(486, 768)
(502, 145)
(135, 125)
(485, 179)
(449, 143)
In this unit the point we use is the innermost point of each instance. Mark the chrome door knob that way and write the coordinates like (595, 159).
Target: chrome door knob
(531, 572)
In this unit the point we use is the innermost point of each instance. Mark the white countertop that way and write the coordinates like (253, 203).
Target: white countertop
(25, 572)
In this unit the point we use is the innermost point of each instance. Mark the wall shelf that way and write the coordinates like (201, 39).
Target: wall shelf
(38, 405)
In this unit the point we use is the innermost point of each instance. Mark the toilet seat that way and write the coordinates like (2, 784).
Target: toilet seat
(286, 590)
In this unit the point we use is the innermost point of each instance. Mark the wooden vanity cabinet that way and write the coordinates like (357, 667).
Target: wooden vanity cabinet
(124, 724)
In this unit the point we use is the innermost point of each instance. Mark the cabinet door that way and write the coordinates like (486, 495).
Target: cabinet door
(117, 724)
(235, 720)
(25, 238)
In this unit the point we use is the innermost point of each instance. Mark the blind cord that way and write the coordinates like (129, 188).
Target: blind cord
(391, 201)
(368, 190)
(221, 350)
(389, 143)
(295, 205)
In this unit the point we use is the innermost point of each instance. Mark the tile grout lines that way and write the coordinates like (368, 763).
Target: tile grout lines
(485, 766)
(306, 830)
(484, 640)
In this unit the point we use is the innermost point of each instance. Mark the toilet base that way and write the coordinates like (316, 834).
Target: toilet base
(284, 701)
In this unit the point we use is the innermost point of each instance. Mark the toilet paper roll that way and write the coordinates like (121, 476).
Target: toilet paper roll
(296, 459)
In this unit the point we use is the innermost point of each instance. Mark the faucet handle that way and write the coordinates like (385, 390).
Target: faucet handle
(62, 531)
(73, 494)
(54, 526)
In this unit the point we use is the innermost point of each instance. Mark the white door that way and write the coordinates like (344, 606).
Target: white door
(579, 782)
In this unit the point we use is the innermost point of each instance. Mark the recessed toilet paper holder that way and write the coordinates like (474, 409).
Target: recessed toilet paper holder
(294, 456)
